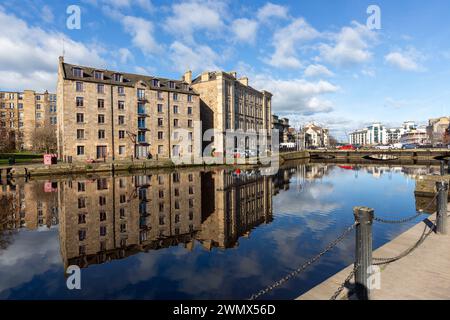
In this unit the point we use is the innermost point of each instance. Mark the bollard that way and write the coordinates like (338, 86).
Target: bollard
(442, 200)
(363, 254)
(442, 168)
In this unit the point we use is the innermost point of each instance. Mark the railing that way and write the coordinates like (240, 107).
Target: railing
(364, 260)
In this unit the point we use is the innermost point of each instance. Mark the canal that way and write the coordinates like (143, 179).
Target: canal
(192, 234)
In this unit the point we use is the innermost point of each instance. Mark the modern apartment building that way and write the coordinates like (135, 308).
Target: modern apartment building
(372, 135)
(21, 113)
(109, 115)
(230, 104)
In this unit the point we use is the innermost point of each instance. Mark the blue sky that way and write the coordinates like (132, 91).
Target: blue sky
(318, 57)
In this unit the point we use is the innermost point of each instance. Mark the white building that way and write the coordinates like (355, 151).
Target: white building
(315, 136)
(377, 134)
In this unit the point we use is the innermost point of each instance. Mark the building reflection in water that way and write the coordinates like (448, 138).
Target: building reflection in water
(105, 218)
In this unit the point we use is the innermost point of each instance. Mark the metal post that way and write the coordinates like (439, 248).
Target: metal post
(363, 254)
(442, 168)
(442, 200)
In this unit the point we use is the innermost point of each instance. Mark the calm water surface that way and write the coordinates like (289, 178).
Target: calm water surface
(218, 234)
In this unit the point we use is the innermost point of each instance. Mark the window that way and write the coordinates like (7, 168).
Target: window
(79, 86)
(77, 72)
(191, 190)
(101, 103)
(101, 118)
(155, 82)
(189, 98)
(189, 110)
(141, 93)
(80, 134)
(80, 150)
(38, 116)
(121, 150)
(100, 88)
(117, 77)
(121, 134)
(38, 106)
(81, 235)
(101, 134)
(141, 122)
(171, 85)
(80, 117)
(102, 231)
(175, 122)
(160, 108)
(160, 122)
(189, 123)
(81, 218)
(81, 203)
(102, 200)
(102, 215)
(98, 75)
(190, 136)
(141, 108)
(123, 228)
(190, 177)
(80, 101)
(121, 91)
(160, 135)
(121, 105)
(121, 120)
(175, 96)
(81, 186)
(160, 95)
(175, 109)
(160, 149)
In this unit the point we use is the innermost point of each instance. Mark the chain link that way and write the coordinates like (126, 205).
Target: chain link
(406, 252)
(303, 266)
(418, 214)
(346, 281)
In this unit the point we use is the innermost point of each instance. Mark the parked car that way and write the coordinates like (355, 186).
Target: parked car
(409, 146)
(383, 147)
(347, 147)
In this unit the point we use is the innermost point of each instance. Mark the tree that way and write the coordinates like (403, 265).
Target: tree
(44, 139)
(332, 141)
(7, 140)
(6, 214)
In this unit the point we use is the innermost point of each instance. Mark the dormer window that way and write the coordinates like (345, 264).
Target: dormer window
(117, 77)
(77, 72)
(171, 85)
(98, 75)
(155, 82)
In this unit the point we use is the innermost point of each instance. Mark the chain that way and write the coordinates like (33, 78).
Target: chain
(418, 214)
(346, 281)
(406, 252)
(303, 266)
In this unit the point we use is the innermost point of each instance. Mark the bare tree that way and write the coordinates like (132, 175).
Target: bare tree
(332, 141)
(7, 141)
(44, 139)
(6, 214)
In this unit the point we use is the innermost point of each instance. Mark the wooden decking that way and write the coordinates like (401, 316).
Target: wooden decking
(424, 274)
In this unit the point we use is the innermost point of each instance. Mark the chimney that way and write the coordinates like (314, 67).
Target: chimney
(188, 77)
(61, 59)
(244, 81)
(233, 73)
(205, 76)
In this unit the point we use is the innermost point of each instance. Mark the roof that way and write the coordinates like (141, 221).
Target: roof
(129, 79)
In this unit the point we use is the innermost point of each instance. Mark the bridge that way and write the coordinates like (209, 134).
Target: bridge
(383, 155)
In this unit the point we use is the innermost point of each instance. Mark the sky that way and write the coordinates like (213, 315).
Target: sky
(321, 59)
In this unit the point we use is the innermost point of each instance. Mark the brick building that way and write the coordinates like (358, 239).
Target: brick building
(22, 113)
(110, 115)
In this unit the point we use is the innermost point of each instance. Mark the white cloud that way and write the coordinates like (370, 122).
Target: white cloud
(286, 42)
(124, 4)
(351, 46)
(297, 95)
(408, 60)
(125, 55)
(317, 70)
(189, 17)
(29, 55)
(47, 14)
(141, 31)
(245, 30)
(270, 10)
(197, 58)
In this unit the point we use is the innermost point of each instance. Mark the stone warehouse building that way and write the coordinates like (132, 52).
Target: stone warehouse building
(229, 103)
(110, 115)
(22, 113)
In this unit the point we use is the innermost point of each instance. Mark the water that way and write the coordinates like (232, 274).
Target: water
(192, 234)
